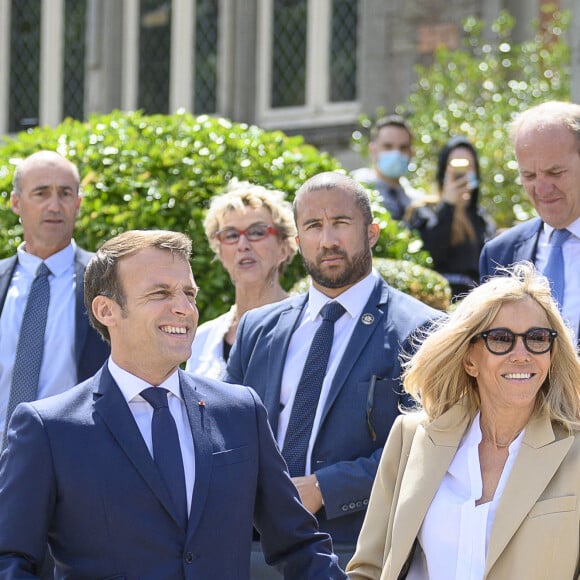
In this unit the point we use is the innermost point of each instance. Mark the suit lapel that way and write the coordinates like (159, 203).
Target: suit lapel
(277, 356)
(81, 321)
(6, 273)
(539, 456)
(526, 248)
(199, 415)
(113, 409)
(431, 453)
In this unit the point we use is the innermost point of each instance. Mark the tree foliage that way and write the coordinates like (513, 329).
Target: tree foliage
(141, 172)
(476, 91)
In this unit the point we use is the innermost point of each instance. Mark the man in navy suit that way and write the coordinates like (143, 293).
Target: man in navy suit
(361, 391)
(546, 140)
(82, 469)
(46, 197)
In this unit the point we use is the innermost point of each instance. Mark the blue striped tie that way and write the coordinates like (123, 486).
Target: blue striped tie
(30, 349)
(554, 269)
(308, 391)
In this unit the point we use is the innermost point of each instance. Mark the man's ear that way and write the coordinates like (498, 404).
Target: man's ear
(104, 310)
(15, 203)
(373, 232)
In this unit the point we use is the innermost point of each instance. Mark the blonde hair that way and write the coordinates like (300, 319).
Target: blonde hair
(241, 194)
(435, 375)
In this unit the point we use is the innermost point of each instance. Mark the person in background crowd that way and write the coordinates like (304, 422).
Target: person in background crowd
(483, 481)
(454, 226)
(143, 471)
(326, 363)
(546, 140)
(252, 232)
(390, 151)
(47, 349)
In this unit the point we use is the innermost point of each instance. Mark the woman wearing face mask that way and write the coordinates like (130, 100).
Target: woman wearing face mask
(453, 226)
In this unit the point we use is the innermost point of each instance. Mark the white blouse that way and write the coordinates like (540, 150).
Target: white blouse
(455, 533)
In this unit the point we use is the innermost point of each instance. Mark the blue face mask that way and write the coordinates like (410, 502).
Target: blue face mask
(472, 181)
(393, 164)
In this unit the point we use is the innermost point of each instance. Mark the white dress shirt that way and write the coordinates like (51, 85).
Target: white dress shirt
(58, 372)
(131, 387)
(353, 300)
(571, 253)
(454, 537)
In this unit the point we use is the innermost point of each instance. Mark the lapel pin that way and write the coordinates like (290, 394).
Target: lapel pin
(201, 403)
(367, 318)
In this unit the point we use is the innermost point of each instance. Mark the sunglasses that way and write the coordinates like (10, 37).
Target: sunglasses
(254, 233)
(503, 340)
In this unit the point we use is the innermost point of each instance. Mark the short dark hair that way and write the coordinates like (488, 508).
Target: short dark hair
(335, 180)
(390, 121)
(102, 274)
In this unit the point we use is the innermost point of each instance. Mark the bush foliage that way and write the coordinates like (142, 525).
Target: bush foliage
(142, 172)
(475, 91)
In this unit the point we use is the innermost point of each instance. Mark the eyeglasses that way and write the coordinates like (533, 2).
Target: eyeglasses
(255, 233)
(503, 340)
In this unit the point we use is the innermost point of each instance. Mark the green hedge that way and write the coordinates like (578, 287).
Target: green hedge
(141, 172)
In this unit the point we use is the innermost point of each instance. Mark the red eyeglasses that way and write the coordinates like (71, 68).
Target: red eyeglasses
(255, 233)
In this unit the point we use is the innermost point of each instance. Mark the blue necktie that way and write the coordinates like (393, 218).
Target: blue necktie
(554, 269)
(167, 451)
(308, 391)
(30, 347)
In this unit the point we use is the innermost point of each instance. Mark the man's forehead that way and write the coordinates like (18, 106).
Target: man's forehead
(325, 203)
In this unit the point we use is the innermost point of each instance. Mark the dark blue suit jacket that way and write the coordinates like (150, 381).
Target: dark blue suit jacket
(90, 349)
(517, 244)
(363, 399)
(77, 471)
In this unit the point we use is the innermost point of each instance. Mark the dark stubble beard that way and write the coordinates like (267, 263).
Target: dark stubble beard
(355, 269)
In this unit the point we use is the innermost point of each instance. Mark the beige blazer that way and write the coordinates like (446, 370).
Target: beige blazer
(536, 530)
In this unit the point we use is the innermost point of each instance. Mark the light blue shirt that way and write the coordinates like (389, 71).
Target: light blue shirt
(571, 253)
(58, 371)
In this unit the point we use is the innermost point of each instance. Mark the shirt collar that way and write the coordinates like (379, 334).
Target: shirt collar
(574, 227)
(131, 385)
(57, 263)
(352, 300)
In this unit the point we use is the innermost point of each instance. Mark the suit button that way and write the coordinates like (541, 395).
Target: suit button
(359, 504)
(344, 508)
(365, 502)
(188, 557)
(352, 505)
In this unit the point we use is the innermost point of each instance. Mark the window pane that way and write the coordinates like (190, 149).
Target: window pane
(24, 64)
(154, 54)
(206, 56)
(74, 58)
(289, 53)
(343, 51)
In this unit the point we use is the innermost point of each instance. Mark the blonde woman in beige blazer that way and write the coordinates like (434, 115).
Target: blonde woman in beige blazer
(499, 386)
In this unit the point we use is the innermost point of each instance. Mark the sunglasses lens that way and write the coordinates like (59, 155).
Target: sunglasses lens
(538, 340)
(500, 341)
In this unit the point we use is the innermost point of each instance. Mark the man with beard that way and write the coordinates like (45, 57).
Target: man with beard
(331, 434)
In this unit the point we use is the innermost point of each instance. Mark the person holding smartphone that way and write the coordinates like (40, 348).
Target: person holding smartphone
(452, 224)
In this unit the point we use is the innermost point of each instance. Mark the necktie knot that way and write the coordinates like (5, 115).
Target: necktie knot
(559, 237)
(43, 271)
(332, 311)
(156, 397)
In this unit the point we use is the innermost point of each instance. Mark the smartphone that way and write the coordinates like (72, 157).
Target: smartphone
(459, 167)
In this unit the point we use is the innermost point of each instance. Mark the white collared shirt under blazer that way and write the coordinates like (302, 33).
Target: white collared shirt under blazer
(536, 531)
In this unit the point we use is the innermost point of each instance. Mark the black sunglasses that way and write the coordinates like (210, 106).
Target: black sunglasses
(503, 340)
